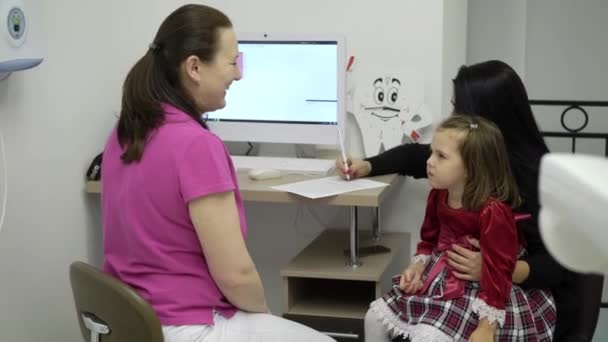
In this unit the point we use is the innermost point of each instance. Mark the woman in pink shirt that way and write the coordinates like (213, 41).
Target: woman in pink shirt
(173, 217)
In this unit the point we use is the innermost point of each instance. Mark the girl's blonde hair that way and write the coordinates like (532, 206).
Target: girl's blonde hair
(485, 160)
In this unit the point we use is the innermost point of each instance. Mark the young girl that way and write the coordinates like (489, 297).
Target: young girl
(473, 192)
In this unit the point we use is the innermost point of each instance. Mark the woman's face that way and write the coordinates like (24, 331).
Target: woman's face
(209, 81)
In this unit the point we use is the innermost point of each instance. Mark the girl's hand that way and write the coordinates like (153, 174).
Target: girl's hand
(482, 334)
(466, 263)
(357, 168)
(411, 278)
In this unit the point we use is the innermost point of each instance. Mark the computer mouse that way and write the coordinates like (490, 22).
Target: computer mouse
(261, 174)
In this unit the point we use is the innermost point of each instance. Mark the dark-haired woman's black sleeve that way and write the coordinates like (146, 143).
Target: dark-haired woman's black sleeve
(406, 159)
(545, 271)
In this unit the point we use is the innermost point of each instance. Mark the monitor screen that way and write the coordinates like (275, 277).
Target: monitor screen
(290, 85)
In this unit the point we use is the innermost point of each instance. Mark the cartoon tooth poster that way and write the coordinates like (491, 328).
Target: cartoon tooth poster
(389, 109)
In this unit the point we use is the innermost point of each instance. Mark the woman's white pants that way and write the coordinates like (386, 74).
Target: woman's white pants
(245, 327)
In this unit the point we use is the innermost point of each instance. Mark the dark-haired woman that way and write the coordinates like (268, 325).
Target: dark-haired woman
(494, 91)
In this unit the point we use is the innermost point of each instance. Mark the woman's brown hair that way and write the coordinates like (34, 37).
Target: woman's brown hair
(154, 79)
(486, 162)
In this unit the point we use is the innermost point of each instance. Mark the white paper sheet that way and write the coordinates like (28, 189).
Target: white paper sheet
(328, 186)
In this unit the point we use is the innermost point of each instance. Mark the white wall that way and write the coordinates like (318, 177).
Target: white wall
(454, 50)
(56, 118)
(497, 30)
(567, 49)
(557, 47)
(566, 53)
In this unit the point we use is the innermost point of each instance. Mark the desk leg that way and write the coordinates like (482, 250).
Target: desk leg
(376, 234)
(354, 239)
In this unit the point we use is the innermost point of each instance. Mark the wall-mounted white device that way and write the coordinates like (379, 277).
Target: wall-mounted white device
(15, 53)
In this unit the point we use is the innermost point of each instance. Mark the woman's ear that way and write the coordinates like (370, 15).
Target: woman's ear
(192, 69)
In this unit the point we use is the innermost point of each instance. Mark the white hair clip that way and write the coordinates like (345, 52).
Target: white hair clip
(473, 126)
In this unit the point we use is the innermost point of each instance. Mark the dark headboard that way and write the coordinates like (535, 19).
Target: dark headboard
(574, 134)
(571, 108)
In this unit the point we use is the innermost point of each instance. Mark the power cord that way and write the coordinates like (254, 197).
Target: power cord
(316, 216)
(250, 148)
(5, 195)
(300, 216)
(305, 151)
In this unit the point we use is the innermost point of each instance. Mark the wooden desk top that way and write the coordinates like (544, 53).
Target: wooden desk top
(260, 191)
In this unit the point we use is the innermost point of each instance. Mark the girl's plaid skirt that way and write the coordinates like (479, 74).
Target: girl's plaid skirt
(530, 315)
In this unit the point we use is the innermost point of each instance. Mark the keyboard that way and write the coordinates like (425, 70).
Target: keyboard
(307, 166)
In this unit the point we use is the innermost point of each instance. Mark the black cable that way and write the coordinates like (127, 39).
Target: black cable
(250, 148)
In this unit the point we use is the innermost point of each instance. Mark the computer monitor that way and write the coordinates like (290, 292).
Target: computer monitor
(292, 90)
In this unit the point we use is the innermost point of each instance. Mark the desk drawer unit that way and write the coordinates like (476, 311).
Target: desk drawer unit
(322, 291)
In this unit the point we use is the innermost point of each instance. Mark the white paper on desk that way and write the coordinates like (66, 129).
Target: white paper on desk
(328, 186)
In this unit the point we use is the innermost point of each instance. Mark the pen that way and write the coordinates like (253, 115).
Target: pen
(343, 154)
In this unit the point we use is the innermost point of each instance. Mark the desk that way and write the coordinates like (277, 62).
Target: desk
(261, 191)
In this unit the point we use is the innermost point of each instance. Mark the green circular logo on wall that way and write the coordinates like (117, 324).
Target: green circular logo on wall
(16, 23)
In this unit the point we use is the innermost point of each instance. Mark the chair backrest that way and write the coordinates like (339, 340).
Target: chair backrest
(113, 303)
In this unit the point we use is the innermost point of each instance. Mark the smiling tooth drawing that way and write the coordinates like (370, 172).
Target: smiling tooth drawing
(389, 108)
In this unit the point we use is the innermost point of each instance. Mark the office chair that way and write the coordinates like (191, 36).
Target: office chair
(109, 310)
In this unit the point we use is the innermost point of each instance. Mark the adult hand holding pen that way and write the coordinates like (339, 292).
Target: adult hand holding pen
(357, 168)
(345, 169)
